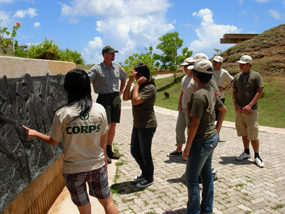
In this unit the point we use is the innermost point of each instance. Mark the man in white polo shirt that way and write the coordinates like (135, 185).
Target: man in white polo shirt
(221, 76)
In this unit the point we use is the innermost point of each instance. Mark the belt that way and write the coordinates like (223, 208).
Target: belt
(115, 94)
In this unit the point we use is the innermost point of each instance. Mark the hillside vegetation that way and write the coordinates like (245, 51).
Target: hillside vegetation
(268, 53)
(267, 50)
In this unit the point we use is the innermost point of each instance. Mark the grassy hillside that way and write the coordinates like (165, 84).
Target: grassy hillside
(271, 105)
(266, 49)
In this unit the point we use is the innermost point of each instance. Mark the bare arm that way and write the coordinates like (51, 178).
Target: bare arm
(180, 101)
(136, 99)
(191, 135)
(127, 91)
(237, 107)
(123, 83)
(103, 146)
(221, 117)
(256, 97)
(227, 87)
(42, 137)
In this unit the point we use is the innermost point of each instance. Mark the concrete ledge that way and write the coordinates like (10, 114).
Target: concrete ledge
(39, 196)
(14, 67)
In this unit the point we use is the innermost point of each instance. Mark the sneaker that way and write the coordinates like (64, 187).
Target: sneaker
(243, 156)
(174, 153)
(145, 183)
(138, 178)
(259, 162)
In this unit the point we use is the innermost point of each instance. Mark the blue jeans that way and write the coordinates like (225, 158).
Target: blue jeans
(200, 163)
(141, 150)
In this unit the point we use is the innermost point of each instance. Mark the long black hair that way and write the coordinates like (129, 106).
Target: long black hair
(77, 86)
(143, 69)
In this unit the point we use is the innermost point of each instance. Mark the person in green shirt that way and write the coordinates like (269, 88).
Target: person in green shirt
(202, 139)
(247, 89)
(142, 97)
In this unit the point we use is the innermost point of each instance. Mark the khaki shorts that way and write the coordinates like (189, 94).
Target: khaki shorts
(247, 125)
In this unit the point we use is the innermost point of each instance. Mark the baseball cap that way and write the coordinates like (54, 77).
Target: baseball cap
(218, 59)
(109, 49)
(196, 57)
(187, 61)
(203, 66)
(200, 56)
(245, 59)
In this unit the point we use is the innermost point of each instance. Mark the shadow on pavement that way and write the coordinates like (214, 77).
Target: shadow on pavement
(175, 159)
(179, 211)
(177, 180)
(232, 160)
(126, 187)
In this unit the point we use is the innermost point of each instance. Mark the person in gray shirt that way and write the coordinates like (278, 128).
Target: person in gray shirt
(105, 79)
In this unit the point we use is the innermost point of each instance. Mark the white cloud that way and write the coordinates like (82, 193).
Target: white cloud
(275, 14)
(209, 33)
(32, 12)
(37, 24)
(93, 52)
(128, 26)
(7, 21)
(73, 21)
(6, 1)
(284, 2)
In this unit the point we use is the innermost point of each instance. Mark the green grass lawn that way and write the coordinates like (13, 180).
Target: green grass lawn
(271, 105)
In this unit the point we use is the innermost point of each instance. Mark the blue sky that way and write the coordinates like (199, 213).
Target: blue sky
(131, 25)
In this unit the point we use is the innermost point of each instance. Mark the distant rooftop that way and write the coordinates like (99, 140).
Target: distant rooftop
(236, 38)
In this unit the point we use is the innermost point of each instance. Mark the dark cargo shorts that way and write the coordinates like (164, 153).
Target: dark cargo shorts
(112, 105)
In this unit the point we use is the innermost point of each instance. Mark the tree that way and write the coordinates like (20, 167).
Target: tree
(218, 51)
(169, 44)
(146, 58)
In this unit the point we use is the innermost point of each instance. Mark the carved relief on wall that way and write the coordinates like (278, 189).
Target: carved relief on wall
(29, 101)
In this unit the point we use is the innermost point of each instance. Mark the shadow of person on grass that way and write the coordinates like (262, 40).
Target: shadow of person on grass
(126, 187)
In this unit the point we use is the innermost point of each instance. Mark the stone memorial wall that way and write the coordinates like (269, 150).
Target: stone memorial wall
(29, 101)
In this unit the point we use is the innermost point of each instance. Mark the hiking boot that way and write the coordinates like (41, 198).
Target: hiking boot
(109, 161)
(110, 153)
(243, 156)
(259, 162)
(174, 153)
(144, 184)
(138, 178)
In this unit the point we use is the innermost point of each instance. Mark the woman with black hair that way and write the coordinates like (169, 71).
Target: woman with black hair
(202, 139)
(82, 124)
(142, 97)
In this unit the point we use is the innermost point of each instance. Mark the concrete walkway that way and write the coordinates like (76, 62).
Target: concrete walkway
(242, 187)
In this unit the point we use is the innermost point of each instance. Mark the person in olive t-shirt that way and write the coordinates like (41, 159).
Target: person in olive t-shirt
(247, 89)
(202, 139)
(143, 97)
